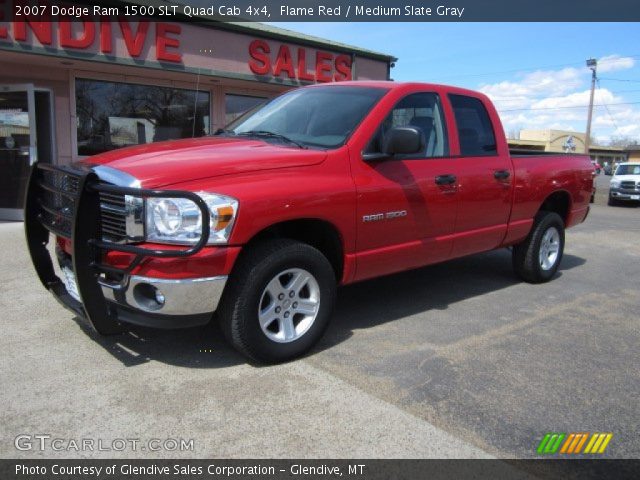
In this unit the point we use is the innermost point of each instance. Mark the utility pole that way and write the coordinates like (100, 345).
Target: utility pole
(592, 63)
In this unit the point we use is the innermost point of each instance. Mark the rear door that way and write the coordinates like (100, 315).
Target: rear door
(484, 179)
(406, 207)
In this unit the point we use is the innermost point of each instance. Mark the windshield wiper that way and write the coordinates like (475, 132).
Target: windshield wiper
(266, 134)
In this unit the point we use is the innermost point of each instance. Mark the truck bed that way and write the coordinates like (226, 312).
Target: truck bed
(523, 152)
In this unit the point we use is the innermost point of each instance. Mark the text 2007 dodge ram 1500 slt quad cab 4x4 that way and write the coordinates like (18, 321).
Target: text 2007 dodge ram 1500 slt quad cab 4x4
(322, 186)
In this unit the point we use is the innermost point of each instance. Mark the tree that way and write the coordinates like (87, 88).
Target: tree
(623, 141)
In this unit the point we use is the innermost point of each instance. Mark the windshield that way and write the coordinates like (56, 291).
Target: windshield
(321, 117)
(628, 170)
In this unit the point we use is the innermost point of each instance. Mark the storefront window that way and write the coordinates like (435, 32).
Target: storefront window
(112, 115)
(236, 105)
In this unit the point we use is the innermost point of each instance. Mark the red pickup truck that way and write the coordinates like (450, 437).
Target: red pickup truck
(322, 186)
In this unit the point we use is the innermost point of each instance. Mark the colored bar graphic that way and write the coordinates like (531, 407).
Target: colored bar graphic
(598, 443)
(594, 437)
(550, 443)
(605, 443)
(574, 442)
(581, 443)
(543, 443)
(569, 441)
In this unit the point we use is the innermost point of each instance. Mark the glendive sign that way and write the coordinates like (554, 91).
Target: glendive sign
(83, 35)
(297, 64)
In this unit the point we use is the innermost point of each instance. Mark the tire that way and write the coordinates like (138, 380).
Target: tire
(611, 201)
(529, 261)
(593, 198)
(274, 279)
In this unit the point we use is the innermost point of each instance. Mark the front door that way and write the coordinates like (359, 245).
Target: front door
(406, 206)
(25, 114)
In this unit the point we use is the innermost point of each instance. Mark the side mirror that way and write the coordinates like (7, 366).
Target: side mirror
(404, 141)
(399, 141)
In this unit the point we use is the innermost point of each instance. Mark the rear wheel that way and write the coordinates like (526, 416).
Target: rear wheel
(537, 258)
(278, 301)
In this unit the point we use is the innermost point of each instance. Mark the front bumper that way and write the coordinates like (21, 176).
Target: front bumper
(66, 201)
(163, 302)
(624, 194)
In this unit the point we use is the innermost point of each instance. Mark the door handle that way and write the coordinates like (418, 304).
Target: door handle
(501, 174)
(445, 179)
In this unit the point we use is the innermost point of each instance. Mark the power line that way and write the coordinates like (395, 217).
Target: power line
(607, 108)
(510, 98)
(529, 69)
(568, 107)
(619, 80)
(625, 91)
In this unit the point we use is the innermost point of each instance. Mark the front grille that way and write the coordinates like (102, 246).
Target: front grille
(628, 185)
(59, 188)
(113, 213)
(57, 198)
(111, 218)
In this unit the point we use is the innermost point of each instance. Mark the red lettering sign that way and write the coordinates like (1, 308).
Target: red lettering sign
(260, 63)
(343, 68)
(41, 30)
(82, 34)
(284, 63)
(134, 42)
(326, 67)
(302, 66)
(164, 41)
(85, 40)
(323, 69)
(106, 45)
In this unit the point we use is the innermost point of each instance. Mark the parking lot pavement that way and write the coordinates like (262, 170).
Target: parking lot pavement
(454, 360)
(60, 379)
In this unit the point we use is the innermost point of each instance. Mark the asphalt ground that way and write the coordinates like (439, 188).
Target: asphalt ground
(458, 360)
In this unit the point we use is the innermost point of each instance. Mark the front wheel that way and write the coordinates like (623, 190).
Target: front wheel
(278, 301)
(537, 258)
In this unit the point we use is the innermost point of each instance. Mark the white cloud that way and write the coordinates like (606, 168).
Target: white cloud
(539, 100)
(612, 63)
(577, 99)
(547, 82)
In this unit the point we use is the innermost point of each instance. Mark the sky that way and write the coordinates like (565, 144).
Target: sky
(534, 72)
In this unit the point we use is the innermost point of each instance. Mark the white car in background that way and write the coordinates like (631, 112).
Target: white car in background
(625, 183)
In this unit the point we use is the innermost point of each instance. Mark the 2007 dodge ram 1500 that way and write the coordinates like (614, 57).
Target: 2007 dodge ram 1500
(322, 186)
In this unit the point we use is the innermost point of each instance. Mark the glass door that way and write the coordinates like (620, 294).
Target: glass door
(18, 148)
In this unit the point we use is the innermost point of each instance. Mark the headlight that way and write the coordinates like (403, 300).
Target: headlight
(179, 221)
(614, 184)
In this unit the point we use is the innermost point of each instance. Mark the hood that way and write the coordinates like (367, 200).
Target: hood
(626, 178)
(166, 163)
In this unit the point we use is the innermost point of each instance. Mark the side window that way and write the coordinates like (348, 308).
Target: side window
(475, 130)
(420, 110)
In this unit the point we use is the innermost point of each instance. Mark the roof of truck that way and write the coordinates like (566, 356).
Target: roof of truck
(392, 85)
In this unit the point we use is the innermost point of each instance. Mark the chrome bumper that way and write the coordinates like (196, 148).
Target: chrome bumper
(624, 194)
(159, 296)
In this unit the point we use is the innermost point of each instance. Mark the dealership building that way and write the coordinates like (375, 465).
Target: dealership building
(563, 141)
(70, 89)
